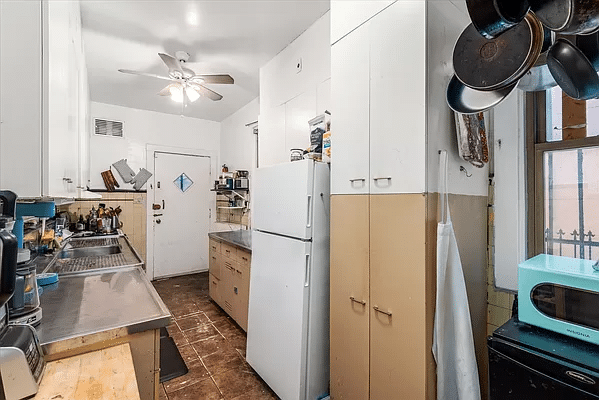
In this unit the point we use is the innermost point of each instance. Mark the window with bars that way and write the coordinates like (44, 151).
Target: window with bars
(563, 157)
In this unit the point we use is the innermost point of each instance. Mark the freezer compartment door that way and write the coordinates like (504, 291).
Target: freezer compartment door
(282, 199)
(278, 313)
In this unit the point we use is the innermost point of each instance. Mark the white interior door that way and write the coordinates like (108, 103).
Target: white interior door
(181, 213)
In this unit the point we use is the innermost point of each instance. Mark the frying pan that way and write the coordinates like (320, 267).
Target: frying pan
(572, 71)
(491, 18)
(466, 100)
(576, 17)
(491, 64)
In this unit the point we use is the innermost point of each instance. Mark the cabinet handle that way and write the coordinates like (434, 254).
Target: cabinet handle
(386, 178)
(238, 271)
(357, 180)
(352, 298)
(381, 311)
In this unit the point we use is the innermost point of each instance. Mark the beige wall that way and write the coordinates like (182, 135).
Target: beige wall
(133, 216)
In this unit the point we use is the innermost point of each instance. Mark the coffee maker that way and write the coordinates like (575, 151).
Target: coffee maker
(21, 356)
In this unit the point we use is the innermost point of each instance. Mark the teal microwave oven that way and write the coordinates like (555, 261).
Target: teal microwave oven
(560, 294)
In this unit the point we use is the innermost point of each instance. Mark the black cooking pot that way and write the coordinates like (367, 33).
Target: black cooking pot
(575, 17)
(493, 17)
(572, 70)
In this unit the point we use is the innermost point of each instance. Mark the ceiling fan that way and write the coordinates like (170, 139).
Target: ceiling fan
(185, 83)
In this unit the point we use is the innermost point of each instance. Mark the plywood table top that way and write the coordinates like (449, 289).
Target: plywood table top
(103, 374)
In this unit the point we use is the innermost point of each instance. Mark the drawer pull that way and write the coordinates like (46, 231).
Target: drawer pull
(238, 271)
(387, 178)
(381, 311)
(244, 259)
(358, 180)
(352, 298)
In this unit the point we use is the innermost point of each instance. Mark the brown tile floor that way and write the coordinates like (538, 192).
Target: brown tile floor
(210, 342)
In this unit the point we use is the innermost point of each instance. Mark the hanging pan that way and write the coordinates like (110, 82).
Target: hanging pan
(538, 77)
(491, 18)
(491, 64)
(572, 70)
(575, 17)
(465, 100)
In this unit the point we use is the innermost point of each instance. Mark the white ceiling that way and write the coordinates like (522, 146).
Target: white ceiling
(234, 37)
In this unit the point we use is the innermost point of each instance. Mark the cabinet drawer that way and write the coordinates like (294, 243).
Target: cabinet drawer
(244, 258)
(214, 245)
(215, 263)
(228, 251)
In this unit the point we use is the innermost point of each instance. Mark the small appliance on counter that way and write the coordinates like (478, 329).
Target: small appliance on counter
(527, 362)
(560, 294)
(24, 306)
(21, 356)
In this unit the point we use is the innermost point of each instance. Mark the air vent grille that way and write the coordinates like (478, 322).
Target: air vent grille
(108, 128)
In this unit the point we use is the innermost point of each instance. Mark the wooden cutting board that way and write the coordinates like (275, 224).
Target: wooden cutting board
(106, 374)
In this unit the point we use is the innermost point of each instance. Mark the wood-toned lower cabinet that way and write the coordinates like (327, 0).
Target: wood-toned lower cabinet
(230, 280)
(350, 298)
(382, 297)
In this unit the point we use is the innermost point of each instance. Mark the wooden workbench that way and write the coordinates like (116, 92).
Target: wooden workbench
(106, 374)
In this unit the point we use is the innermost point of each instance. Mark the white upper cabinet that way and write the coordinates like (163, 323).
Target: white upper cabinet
(21, 97)
(397, 99)
(378, 92)
(347, 15)
(44, 116)
(350, 125)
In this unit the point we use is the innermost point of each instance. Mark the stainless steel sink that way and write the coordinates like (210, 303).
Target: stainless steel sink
(89, 252)
(94, 253)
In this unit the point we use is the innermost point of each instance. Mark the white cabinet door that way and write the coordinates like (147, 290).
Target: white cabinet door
(21, 97)
(350, 109)
(63, 97)
(397, 99)
(348, 15)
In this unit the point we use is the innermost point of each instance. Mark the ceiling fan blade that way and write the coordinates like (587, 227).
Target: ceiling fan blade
(172, 63)
(204, 91)
(220, 79)
(128, 71)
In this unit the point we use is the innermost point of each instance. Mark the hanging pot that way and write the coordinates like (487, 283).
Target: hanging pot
(539, 78)
(492, 18)
(465, 100)
(576, 17)
(491, 64)
(589, 45)
(572, 71)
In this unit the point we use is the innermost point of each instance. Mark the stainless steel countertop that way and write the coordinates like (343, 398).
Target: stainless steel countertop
(240, 238)
(97, 305)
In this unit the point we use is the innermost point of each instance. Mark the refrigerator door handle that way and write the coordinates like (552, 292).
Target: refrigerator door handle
(307, 275)
(309, 213)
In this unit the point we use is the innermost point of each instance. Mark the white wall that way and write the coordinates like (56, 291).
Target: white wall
(445, 23)
(141, 128)
(288, 98)
(237, 141)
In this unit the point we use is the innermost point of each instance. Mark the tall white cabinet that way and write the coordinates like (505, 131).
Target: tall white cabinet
(378, 89)
(44, 97)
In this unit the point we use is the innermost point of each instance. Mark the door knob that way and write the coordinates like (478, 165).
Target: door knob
(158, 221)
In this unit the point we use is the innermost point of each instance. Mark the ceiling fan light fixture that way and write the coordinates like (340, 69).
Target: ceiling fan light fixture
(176, 93)
(192, 94)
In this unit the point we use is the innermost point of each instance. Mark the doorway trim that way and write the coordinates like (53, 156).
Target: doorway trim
(151, 149)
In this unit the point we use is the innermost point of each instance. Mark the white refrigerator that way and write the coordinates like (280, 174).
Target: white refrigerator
(288, 316)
